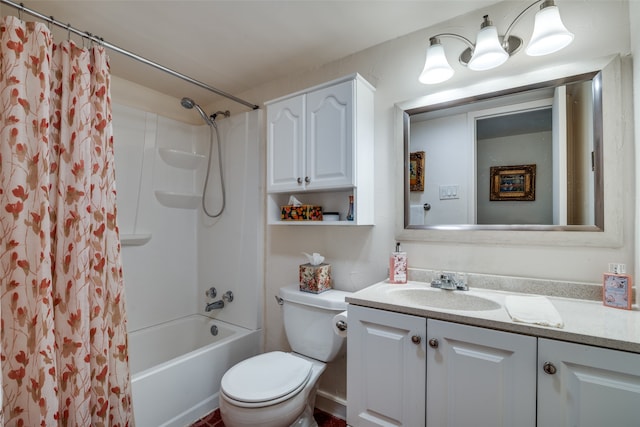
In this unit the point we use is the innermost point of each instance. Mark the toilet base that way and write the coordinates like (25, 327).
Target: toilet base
(294, 412)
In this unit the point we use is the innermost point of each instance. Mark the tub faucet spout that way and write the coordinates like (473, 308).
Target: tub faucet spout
(216, 305)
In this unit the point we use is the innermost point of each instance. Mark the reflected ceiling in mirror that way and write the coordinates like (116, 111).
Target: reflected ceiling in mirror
(527, 158)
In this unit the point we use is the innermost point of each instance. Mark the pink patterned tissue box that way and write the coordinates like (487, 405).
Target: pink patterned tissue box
(315, 278)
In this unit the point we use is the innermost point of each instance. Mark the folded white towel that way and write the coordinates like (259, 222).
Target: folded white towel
(533, 309)
(416, 215)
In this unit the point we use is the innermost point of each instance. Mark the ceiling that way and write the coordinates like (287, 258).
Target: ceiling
(236, 45)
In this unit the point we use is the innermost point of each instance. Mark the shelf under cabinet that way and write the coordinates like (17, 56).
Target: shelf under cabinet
(332, 200)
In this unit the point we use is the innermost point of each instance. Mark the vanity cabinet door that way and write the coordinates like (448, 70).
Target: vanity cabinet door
(286, 148)
(385, 368)
(580, 385)
(480, 377)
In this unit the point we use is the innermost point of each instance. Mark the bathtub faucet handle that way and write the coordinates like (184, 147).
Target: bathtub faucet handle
(211, 292)
(228, 296)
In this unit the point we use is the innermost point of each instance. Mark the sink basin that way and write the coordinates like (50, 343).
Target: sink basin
(437, 298)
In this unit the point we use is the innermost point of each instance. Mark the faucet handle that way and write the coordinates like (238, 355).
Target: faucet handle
(211, 292)
(228, 296)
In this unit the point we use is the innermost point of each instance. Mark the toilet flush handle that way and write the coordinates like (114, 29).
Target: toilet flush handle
(279, 300)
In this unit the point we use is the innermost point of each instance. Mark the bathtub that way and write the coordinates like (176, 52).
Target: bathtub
(177, 366)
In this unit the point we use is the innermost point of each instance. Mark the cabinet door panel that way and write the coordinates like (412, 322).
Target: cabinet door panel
(479, 377)
(592, 387)
(385, 369)
(286, 152)
(330, 139)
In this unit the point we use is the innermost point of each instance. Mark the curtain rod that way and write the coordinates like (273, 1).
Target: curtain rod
(122, 51)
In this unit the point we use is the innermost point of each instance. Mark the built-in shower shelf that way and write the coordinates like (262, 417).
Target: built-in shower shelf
(178, 200)
(134, 239)
(180, 159)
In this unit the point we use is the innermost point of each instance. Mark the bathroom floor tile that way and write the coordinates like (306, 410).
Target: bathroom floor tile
(323, 419)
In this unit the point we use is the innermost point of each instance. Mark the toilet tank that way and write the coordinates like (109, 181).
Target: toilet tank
(308, 321)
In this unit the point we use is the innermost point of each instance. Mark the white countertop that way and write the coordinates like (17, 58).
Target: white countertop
(585, 322)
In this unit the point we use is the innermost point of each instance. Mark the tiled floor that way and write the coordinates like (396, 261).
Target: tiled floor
(323, 419)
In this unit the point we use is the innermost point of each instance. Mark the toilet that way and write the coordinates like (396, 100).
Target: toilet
(278, 389)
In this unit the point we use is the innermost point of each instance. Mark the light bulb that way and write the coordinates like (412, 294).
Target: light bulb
(436, 67)
(488, 52)
(549, 33)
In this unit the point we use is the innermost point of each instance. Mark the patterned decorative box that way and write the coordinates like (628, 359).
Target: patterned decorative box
(301, 213)
(315, 278)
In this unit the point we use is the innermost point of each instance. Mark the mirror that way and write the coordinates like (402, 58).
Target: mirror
(525, 158)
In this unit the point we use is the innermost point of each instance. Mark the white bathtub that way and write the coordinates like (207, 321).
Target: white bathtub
(177, 366)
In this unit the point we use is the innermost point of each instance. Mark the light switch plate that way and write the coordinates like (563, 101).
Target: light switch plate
(448, 192)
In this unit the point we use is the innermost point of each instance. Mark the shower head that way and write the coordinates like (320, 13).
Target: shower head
(189, 103)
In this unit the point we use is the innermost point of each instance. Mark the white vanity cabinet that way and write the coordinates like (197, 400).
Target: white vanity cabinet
(385, 368)
(581, 385)
(405, 370)
(479, 377)
(320, 140)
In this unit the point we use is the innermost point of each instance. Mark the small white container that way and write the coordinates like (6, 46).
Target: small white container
(331, 216)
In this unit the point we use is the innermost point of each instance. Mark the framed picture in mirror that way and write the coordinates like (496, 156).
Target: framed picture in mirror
(416, 171)
(516, 183)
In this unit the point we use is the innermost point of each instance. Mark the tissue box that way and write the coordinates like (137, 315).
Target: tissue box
(301, 213)
(315, 278)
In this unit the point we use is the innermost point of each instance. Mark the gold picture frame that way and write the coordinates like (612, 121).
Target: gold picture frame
(517, 183)
(416, 171)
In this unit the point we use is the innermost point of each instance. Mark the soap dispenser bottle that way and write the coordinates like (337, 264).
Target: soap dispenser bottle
(398, 266)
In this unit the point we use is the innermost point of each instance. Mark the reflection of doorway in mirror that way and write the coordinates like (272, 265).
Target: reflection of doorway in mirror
(514, 166)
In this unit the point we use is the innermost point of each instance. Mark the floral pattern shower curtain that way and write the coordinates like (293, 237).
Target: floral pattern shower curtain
(64, 344)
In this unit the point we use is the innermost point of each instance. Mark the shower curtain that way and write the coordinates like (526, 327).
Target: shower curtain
(63, 348)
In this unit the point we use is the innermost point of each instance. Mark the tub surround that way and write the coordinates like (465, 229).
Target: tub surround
(586, 319)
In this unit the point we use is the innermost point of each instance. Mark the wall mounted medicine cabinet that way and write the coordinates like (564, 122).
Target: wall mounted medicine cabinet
(320, 150)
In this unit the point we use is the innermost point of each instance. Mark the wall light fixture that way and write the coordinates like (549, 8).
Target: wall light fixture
(491, 50)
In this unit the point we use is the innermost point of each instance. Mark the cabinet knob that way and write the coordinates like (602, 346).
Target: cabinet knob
(299, 180)
(307, 179)
(416, 339)
(433, 343)
(549, 368)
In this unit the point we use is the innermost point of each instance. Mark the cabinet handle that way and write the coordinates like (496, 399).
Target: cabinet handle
(416, 339)
(299, 180)
(433, 343)
(307, 179)
(549, 368)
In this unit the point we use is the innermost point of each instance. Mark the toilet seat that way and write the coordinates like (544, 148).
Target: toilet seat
(266, 379)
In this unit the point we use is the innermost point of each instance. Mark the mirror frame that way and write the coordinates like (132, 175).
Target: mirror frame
(596, 77)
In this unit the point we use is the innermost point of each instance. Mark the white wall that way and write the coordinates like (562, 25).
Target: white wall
(359, 255)
(449, 161)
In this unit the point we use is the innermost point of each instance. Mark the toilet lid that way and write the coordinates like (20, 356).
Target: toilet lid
(266, 377)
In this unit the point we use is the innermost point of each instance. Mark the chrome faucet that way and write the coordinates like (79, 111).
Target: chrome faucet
(449, 282)
(216, 305)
